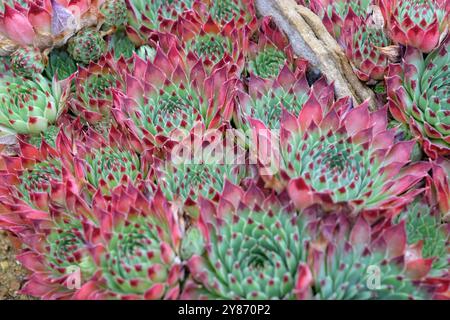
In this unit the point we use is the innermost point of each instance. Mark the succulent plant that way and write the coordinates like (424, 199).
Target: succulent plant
(188, 181)
(30, 174)
(137, 257)
(363, 43)
(30, 106)
(430, 231)
(68, 223)
(27, 61)
(341, 158)
(36, 179)
(86, 46)
(120, 163)
(114, 12)
(179, 149)
(58, 260)
(121, 45)
(404, 134)
(145, 16)
(49, 136)
(61, 64)
(418, 23)
(22, 3)
(226, 10)
(103, 165)
(151, 12)
(250, 246)
(40, 209)
(418, 96)
(44, 24)
(210, 46)
(246, 247)
(146, 52)
(267, 63)
(183, 180)
(266, 98)
(92, 99)
(171, 96)
(335, 13)
(440, 186)
(5, 65)
(211, 42)
(347, 264)
(424, 225)
(271, 52)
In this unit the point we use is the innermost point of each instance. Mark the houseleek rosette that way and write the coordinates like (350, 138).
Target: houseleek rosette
(29, 106)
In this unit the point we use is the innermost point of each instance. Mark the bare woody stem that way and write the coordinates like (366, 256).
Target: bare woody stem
(311, 41)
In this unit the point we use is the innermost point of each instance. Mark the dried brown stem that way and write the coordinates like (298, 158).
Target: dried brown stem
(311, 41)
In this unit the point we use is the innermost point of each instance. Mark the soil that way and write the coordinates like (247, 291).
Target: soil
(12, 274)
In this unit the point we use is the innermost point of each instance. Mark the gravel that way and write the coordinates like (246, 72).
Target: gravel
(12, 274)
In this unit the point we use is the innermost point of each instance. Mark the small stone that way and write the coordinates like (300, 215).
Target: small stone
(15, 285)
(3, 292)
(4, 265)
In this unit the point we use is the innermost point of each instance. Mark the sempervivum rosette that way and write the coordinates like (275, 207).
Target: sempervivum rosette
(418, 94)
(145, 16)
(92, 99)
(29, 106)
(224, 11)
(247, 246)
(362, 43)
(27, 61)
(334, 13)
(271, 52)
(250, 246)
(212, 42)
(86, 46)
(360, 262)
(102, 164)
(44, 24)
(137, 252)
(184, 176)
(186, 182)
(173, 94)
(41, 208)
(55, 253)
(61, 64)
(30, 174)
(417, 23)
(266, 98)
(114, 13)
(424, 226)
(431, 235)
(341, 158)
